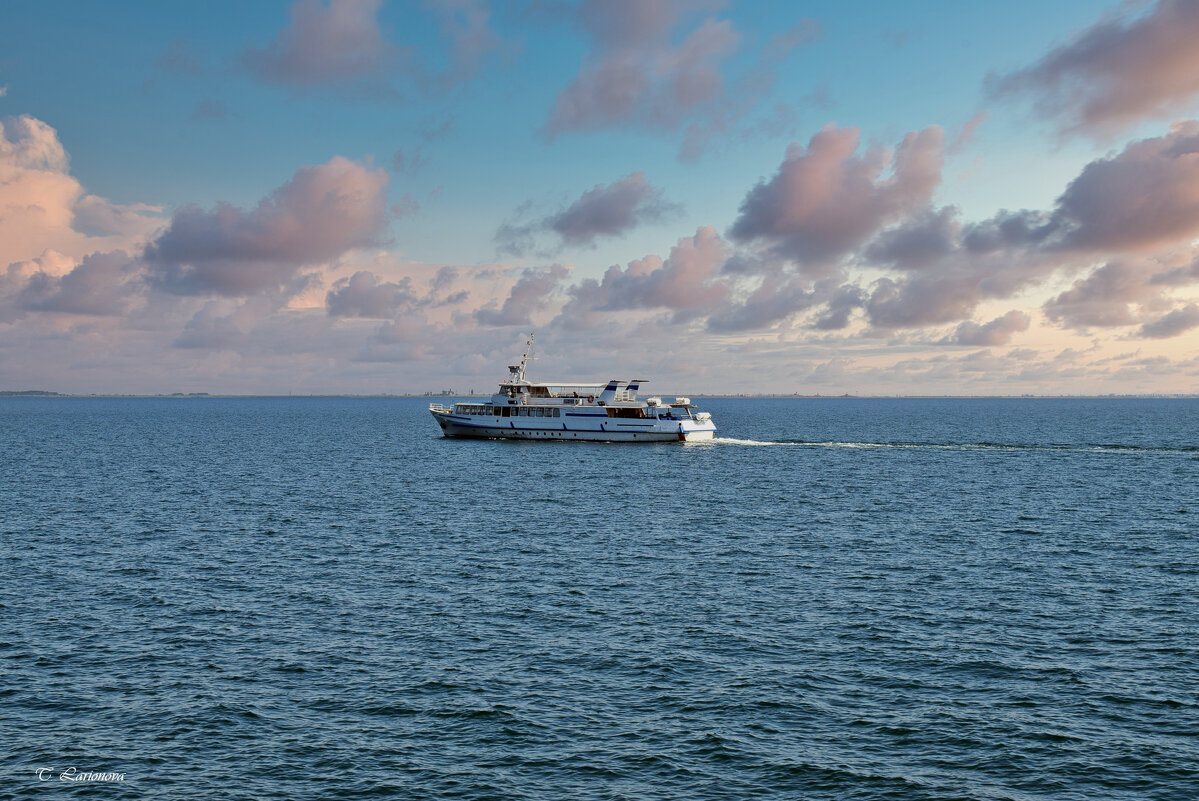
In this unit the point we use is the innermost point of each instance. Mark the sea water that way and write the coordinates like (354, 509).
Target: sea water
(278, 598)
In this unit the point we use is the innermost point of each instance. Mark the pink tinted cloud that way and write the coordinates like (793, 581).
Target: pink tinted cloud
(997, 332)
(340, 44)
(28, 143)
(922, 300)
(102, 284)
(777, 298)
(1176, 322)
(842, 303)
(208, 329)
(603, 211)
(321, 213)
(825, 200)
(1146, 196)
(640, 74)
(1116, 72)
(646, 86)
(324, 43)
(1143, 199)
(37, 195)
(364, 295)
(918, 244)
(1104, 298)
(611, 210)
(687, 282)
(43, 207)
(530, 294)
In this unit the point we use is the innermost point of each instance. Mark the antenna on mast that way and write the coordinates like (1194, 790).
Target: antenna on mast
(518, 370)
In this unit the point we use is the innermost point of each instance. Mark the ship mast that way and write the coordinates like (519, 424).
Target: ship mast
(517, 371)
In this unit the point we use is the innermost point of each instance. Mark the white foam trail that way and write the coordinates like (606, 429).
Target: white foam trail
(956, 446)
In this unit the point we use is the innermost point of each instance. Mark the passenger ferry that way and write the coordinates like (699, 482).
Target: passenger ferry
(609, 412)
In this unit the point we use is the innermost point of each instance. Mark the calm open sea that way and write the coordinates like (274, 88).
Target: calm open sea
(839, 599)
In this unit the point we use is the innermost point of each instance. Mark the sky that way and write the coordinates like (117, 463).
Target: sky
(362, 197)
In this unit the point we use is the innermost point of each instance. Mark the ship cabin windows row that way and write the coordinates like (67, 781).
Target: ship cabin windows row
(641, 413)
(533, 411)
(507, 411)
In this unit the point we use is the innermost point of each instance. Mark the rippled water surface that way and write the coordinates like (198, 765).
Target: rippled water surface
(841, 599)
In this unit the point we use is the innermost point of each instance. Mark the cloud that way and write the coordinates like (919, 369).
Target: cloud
(530, 294)
(339, 44)
(1126, 291)
(920, 301)
(363, 295)
(1104, 298)
(1145, 196)
(1116, 72)
(37, 195)
(1178, 276)
(997, 332)
(28, 143)
(637, 76)
(465, 26)
(1139, 201)
(332, 42)
(611, 210)
(1176, 322)
(42, 207)
(647, 84)
(824, 201)
(210, 330)
(919, 243)
(101, 284)
(843, 302)
(946, 268)
(729, 114)
(687, 282)
(602, 211)
(97, 216)
(777, 298)
(321, 213)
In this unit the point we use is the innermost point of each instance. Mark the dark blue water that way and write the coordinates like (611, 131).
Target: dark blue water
(845, 599)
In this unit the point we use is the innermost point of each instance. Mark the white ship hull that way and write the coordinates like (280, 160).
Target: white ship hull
(578, 427)
(610, 412)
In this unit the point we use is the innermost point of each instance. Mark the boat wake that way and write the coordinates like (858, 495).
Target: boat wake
(965, 446)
